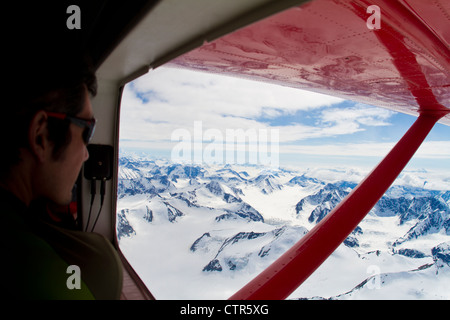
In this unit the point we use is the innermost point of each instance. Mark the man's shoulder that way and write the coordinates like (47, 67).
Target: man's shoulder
(32, 269)
(96, 258)
(37, 256)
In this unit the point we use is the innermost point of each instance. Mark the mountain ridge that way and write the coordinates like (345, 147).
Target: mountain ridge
(220, 227)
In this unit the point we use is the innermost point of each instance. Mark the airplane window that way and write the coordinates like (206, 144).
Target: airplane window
(218, 176)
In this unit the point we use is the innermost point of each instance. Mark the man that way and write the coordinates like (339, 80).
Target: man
(44, 136)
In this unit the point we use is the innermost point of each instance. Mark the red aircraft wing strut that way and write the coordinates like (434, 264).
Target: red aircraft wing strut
(280, 279)
(289, 271)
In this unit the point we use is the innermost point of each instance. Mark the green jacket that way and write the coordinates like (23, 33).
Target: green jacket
(37, 258)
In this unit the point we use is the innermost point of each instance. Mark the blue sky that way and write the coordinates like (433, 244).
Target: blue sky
(167, 105)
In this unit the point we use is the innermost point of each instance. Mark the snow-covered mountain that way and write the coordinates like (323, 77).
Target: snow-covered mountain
(195, 232)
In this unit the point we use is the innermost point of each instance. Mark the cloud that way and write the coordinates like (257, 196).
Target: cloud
(168, 99)
(428, 150)
(194, 94)
(359, 114)
(224, 95)
(434, 150)
(156, 105)
(347, 149)
(349, 120)
(182, 97)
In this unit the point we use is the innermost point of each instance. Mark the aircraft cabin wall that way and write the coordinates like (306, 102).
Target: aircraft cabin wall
(104, 105)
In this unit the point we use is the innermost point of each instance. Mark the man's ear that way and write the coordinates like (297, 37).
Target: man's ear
(38, 136)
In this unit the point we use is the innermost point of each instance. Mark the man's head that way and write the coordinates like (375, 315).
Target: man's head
(32, 137)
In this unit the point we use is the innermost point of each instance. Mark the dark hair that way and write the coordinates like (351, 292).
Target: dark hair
(54, 81)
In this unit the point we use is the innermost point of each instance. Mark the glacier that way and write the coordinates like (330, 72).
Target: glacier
(203, 232)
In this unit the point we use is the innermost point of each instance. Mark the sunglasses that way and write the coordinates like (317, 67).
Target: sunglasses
(87, 124)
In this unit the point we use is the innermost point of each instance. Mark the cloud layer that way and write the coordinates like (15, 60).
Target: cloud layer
(166, 100)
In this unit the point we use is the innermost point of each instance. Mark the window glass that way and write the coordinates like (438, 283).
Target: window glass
(219, 176)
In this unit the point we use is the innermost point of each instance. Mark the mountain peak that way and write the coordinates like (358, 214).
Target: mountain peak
(231, 221)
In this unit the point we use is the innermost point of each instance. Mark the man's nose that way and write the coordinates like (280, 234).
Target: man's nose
(86, 153)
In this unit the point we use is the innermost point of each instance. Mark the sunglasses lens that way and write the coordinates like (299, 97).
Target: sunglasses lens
(88, 125)
(88, 132)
